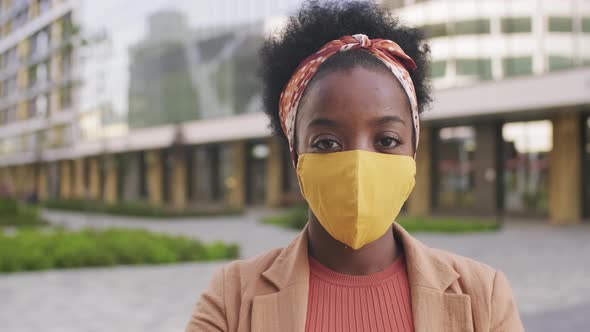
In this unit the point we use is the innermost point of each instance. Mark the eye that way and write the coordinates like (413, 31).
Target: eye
(326, 145)
(388, 142)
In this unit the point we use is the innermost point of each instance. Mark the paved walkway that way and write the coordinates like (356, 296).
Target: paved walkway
(547, 266)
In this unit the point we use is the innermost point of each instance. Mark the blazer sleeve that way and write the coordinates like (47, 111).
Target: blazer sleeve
(504, 313)
(210, 312)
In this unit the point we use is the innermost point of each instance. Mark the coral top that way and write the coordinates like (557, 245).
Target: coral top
(375, 302)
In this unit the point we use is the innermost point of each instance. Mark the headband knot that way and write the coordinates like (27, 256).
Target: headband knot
(387, 51)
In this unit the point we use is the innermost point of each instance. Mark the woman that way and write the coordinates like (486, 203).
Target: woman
(344, 84)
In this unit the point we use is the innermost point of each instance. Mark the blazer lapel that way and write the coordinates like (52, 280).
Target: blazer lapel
(285, 310)
(435, 307)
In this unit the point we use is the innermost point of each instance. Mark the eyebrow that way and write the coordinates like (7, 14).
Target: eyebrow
(322, 122)
(387, 119)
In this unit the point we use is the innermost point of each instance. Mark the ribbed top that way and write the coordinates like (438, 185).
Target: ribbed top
(375, 302)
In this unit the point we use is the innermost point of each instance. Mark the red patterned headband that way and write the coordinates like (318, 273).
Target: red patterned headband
(385, 50)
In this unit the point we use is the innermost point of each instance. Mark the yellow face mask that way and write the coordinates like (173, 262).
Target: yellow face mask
(356, 195)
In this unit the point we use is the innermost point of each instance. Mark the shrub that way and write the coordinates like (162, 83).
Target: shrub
(138, 209)
(296, 218)
(31, 249)
(13, 213)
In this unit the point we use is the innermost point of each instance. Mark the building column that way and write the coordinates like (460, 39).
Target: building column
(178, 188)
(42, 188)
(274, 173)
(565, 174)
(110, 179)
(484, 163)
(154, 176)
(235, 186)
(419, 202)
(79, 183)
(94, 179)
(65, 178)
(31, 176)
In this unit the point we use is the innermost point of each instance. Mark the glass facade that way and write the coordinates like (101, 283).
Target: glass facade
(558, 62)
(455, 174)
(586, 168)
(478, 68)
(517, 66)
(516, 24)
(561, 24)
(472, 27)
(526, 149)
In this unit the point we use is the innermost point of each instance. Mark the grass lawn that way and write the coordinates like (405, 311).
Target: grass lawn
(296, 217)
(133, 209)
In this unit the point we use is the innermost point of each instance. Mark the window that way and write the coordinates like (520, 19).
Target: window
(65, 97)
(516, 24)
(586, 170)
(561, 24)
(41, 72)
(517, 66)
(436, 30)
(41, 105)
(455, 179)
(585, 24)
(43, 6)
(42, 41)
(558, 62)
(526, 147)
(438, 69)
(481, 68)
(32, 76)
(472, 27)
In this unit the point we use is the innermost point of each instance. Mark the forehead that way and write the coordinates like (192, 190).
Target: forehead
(355, 92)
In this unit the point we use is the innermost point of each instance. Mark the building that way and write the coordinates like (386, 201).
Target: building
(162, 104)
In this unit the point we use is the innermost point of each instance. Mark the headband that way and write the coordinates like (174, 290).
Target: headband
(390, 53)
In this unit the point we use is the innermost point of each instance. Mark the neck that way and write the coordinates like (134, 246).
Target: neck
(338, 257)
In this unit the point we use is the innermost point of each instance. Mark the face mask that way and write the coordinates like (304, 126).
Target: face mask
(356, 195)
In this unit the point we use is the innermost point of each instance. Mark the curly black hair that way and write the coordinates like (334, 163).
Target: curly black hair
(318, 22)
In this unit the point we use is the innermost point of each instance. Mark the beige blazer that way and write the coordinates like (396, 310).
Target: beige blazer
(269, 292)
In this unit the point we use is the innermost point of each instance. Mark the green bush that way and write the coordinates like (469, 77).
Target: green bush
(137, 209)
(13, 213)
(296, 218)
(30, 249)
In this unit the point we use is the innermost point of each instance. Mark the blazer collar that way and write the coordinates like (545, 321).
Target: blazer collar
(292, 265)
(435, 305)
(424, 266)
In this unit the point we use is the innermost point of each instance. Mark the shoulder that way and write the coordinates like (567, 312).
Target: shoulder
(489, 290)
(219, 306)
(246, 271)
(466, 267)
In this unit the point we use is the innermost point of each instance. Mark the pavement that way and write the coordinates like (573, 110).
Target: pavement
(548, 267)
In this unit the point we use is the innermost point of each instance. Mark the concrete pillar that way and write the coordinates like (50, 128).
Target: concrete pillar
(153, 161)
(565, 174)
(42, 180)
(234, 183)
(110, 179)
(275, 173)
(178, 188)
(484, 163)
(31, 176)
(419, 202)
(94, 178)
(65, 178)
(79, 182)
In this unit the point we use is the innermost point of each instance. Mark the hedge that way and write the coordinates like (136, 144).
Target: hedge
(296, 218)
(13, 213)
(136, 209)
(35, 249)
